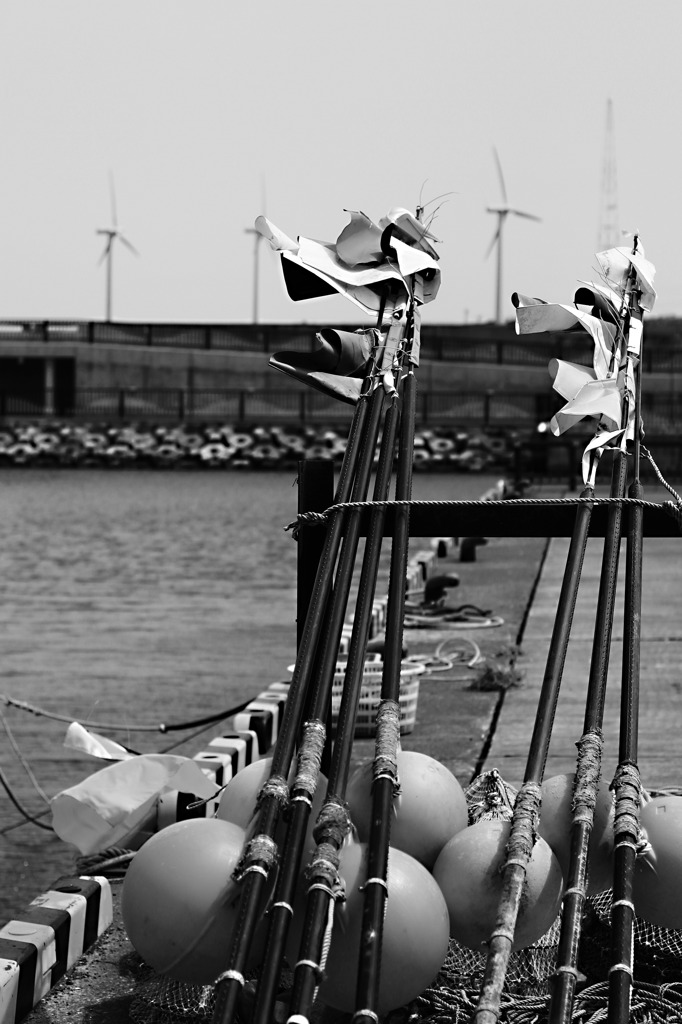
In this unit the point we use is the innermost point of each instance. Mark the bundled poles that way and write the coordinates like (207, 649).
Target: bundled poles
(600, 391)
(260, 856)
(393, 259)
(333, 825)
(306, 978)
(311, 747)
(590, 746)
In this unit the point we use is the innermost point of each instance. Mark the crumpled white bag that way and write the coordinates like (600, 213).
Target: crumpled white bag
(91, 743)
(111, 807)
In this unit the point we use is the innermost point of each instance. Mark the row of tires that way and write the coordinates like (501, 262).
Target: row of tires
(226, 447)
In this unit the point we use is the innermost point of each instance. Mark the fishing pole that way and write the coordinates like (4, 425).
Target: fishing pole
(387, 740)
(588, 768)
(259, 856)
(315, 725)
(627, 782)
(526, 812)
(333, 822)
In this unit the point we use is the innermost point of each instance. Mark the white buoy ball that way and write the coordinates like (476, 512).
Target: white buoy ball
(657, 891)
(415, 936)
(469, 873)
(179, 902)
(238, 800)
(555, 828)
(429, 809)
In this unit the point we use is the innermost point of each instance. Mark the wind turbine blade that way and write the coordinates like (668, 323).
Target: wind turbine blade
(112, 194)
(494, 241)
(529, 216)
(500, 176)
(128, 245)
(104, 255)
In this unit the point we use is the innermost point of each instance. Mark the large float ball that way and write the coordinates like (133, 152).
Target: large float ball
(657, 890)
(239, 798)
(555, 828)
(428, 810)
(415, 935)
(179, 902)
(469, 873)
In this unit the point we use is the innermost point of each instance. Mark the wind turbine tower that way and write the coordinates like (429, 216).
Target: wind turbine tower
(502, 212)
(609, 234)
(111, 234)
(257, 239)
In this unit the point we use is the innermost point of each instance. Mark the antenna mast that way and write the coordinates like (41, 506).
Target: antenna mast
(609, 234)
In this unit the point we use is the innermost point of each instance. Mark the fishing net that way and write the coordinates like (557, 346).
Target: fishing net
(656, 994)
(453, 996)
(162, 1000)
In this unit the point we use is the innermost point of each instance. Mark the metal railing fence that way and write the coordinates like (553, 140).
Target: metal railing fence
(662, 412)
(474, 343)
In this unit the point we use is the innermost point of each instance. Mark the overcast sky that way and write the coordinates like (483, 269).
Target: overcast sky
(210, 112)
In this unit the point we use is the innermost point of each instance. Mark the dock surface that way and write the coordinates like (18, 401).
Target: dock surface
(660, 709)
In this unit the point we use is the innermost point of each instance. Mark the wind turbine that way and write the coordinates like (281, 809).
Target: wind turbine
(257, 239)
(111, 233)
(502, 212)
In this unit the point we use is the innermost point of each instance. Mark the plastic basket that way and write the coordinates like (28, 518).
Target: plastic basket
(370, 694)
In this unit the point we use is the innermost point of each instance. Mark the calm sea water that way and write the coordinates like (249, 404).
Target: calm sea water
(134, 597)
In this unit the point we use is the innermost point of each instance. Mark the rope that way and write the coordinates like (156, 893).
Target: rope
(112, 862)
(647, 455)
(439, 662)
(23, 705)
(23, 762)
(318, 518)
(22, 810)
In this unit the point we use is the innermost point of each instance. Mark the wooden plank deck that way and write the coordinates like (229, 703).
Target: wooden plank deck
(660, 725)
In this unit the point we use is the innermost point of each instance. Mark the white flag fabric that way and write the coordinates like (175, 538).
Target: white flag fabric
(600, 391)
(361, 262)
